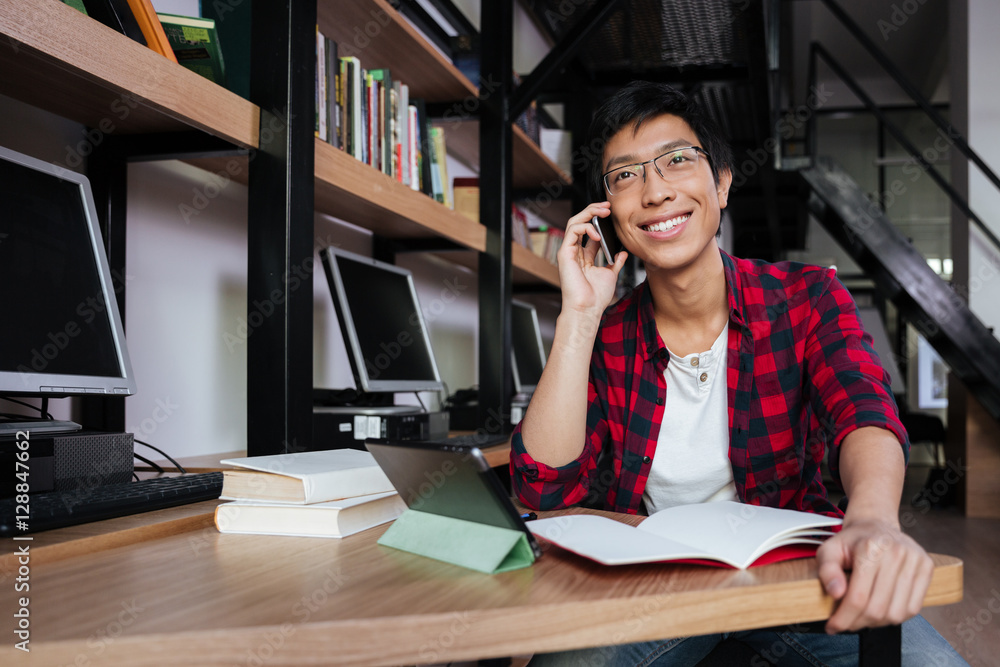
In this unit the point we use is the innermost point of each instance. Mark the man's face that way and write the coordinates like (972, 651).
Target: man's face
(667, 221)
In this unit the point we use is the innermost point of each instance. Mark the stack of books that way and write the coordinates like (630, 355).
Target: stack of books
(332, 493)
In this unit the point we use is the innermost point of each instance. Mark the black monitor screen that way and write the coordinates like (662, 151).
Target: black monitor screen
(56, 319)
(529, 356)
(382, 324)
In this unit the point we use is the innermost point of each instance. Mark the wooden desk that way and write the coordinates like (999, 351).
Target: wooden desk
(166, 588)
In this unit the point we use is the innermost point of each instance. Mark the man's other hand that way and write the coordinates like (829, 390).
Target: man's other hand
(890, 574)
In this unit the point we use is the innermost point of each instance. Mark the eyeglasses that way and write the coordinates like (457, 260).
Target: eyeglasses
(675, 165)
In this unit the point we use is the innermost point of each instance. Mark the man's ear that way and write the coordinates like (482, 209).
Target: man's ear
(725, 180)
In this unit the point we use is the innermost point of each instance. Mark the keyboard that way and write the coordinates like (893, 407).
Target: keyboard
(57, 509)
(477, 440)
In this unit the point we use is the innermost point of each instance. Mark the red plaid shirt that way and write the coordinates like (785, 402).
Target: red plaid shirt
(801, 373)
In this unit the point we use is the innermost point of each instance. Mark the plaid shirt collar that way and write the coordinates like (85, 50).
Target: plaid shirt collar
(651, 343)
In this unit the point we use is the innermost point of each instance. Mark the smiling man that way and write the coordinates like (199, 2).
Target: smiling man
(717, 379)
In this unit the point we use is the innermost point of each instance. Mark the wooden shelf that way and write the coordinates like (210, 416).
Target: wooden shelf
(350, 189)
(532, 167)
(531, 269)
(376, 33)
(56, 58)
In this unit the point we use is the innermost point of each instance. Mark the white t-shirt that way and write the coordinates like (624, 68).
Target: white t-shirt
(691, 464)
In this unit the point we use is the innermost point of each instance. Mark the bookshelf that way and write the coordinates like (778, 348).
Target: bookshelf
(374, 31)
(61, 61)
(57, 59)
(349, 189)
(532, 167)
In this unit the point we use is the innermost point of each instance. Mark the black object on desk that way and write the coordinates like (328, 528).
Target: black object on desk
(57, 509)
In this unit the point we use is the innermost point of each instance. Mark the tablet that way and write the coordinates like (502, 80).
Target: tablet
(448, 480)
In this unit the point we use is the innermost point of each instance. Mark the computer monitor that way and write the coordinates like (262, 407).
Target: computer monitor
(62, 333)
(383, 326)
(526, 347)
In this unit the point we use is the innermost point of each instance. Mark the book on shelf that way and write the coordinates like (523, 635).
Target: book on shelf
(519, 227)
(401, 138)
(332, 67)
(423, 146)
(539, 237)
(195, 42)
(465, 56)
(721, 533)
(553, 241)
(304, 477)
(439, 166)
(76, 4)
(232, 22)
(151, 28)
(381, 120)
(322, 93)
(117, 15)
(466, 190)
(335, 518)
(351, 89)
(414, 155)
(557, 145)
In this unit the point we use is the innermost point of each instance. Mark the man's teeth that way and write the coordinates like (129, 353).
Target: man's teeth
(667, 225)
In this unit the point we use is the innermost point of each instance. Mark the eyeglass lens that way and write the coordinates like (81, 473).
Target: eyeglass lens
(675, 165)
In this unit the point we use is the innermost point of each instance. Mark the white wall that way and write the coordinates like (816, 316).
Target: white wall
(984, 137)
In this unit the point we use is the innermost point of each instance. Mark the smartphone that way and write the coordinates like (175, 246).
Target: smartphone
(609, 240)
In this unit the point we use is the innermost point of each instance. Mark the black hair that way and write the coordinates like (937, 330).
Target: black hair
(640, 101)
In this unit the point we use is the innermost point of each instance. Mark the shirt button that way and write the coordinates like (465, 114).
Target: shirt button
(663, 353)
(694, 362)
(704, 376)
(660, 401)
(646, 459)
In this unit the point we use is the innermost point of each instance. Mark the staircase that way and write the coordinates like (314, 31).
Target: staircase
(904, 277)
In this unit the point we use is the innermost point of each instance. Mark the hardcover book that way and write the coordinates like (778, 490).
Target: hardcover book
(195, 42)
(304, 477)
(335, 518)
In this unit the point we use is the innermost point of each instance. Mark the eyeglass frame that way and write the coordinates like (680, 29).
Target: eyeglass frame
(604, 176)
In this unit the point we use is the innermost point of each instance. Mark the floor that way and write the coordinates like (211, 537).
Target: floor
(972, 626)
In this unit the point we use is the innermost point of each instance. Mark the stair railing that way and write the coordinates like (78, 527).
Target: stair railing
(817, 52)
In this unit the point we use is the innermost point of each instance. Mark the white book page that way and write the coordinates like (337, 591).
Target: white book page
(343, 503)
(608, 541)
(738, 532)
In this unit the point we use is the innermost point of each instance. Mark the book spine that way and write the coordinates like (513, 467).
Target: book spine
(321, 92)
(414, 153)
(403, 128)
(442, 163)
(151, 28)
(357, 110)
(435, 171)
(332, 93)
